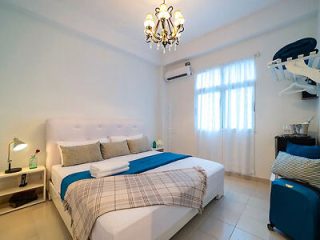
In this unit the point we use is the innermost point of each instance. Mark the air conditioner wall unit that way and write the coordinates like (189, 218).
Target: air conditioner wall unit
(180, 72)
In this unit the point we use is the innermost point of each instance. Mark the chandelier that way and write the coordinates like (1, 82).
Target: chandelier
(160, 30)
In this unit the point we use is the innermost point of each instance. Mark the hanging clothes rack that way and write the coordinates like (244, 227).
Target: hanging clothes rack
(299, 71)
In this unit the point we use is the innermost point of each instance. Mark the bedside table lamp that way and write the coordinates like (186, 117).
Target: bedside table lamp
(17, 145)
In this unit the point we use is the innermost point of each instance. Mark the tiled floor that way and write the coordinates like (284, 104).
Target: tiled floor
(242, 214)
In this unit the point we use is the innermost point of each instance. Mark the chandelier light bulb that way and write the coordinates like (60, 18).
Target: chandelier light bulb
(149, 21)
(163, 13)
(179, 19)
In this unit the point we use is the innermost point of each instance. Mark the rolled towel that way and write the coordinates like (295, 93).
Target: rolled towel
(108, 173)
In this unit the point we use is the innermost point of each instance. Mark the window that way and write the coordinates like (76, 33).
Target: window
(224, 97)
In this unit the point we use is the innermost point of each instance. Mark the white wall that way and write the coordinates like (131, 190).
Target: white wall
(272, 111)
(48, 71)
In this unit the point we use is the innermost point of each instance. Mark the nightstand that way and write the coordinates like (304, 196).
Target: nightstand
(9, 185)
(159, 149)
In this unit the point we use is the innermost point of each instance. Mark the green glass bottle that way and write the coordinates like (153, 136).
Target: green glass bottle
(33, 162)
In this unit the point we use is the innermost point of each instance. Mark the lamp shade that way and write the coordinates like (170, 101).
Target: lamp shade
(179, 19)
(149, 22)
(18, 145)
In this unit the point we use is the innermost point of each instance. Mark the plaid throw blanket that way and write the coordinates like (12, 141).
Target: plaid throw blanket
(88, 199)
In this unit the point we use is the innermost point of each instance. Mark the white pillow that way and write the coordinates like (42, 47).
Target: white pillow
(117, 138)
(134, 137)
(104, 140)
(123, 138)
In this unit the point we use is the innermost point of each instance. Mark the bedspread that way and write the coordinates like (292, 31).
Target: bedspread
(88, 199)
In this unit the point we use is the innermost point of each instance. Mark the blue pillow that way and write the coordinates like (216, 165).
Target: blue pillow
(312, 152)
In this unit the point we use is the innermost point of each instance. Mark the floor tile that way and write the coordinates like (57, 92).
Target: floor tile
(259, 203)
(228, 211)
(199, 235)
(216, 228)
(242, 235)
(254, 221)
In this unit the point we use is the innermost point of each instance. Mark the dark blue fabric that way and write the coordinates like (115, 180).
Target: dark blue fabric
(312, 152)
(303, 46)
(295, 209)
(135, 166)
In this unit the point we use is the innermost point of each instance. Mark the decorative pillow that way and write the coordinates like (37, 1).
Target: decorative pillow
(139, 145)
(299, 168)
(114, 149)
(312, 152)
(78, 143)
(74, 155)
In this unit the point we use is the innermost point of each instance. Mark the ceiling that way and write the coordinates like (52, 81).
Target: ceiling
(122, 20)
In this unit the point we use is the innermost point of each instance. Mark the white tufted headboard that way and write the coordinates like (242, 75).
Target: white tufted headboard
(84, 129)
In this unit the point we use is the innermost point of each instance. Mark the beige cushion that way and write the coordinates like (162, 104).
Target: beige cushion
(74, 155)
(139, 145)
(114, 149)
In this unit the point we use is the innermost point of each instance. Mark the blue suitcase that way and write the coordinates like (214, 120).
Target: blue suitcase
(295, 210)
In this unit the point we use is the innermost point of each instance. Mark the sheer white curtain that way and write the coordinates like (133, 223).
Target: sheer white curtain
(224, 115)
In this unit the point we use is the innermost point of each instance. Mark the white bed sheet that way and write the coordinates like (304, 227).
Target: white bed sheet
(147, 222)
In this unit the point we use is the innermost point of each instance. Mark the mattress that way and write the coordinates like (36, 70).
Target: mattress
(148, 222)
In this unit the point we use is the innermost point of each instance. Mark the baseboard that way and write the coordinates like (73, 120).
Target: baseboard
(264, 180)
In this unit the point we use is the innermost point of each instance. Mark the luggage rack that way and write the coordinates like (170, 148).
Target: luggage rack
(304, 76)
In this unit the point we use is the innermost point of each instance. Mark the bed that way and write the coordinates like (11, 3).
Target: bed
(155, 222)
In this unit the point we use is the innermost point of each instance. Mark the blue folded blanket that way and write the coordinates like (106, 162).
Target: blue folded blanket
(136, 166)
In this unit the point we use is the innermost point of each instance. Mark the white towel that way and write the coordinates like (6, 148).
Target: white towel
(108, 173)
(97, 170)
(108, 166)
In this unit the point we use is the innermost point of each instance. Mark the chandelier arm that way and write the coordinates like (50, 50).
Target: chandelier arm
(174, 33)
(155, 38)
(170, 9)
(169, 26)
(181, 29)
(157, 10)
(156, 28)
(164, 33)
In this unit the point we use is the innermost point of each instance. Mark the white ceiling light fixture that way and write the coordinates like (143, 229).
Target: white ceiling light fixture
(161, 30)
